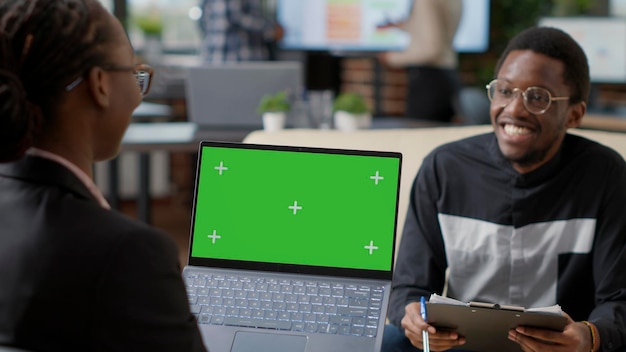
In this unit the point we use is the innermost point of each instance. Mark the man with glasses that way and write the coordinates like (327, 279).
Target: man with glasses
(528, 215)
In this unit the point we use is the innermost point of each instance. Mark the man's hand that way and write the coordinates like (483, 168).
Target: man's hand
(575, 337)
(413, 325)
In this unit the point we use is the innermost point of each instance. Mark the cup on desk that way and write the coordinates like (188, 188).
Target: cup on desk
(300, 115)
(321, 108)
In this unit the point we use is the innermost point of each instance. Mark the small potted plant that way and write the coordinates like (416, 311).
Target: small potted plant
(273, 108)
(151, 25)
(351, 112)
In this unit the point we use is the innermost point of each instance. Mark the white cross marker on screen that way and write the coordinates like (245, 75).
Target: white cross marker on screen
(371, 247)
(221, 168)
(214, 236)
(295, 207)
(377, 178)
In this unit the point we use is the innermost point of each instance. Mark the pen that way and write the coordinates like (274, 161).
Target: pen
(426, 343)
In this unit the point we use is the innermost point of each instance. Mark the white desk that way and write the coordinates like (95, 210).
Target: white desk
(159, 135)
(152, 110)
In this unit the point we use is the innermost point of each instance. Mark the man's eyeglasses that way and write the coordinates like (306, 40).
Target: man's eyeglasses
(143, 74)
(537, 100)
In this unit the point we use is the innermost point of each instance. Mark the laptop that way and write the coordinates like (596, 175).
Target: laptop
(292, 248)
(225, 96)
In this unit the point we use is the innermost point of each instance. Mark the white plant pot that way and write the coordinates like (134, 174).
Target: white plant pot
(274, 121)
(345, 121)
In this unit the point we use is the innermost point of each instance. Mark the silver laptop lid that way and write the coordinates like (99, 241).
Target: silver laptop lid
(227, 95)
(295, 209)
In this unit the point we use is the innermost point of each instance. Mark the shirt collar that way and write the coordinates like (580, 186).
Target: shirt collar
(531, 178)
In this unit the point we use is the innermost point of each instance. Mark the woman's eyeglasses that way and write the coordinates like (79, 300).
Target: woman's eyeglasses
(143, 75)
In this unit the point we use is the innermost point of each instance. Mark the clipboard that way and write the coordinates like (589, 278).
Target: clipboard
(486, 326)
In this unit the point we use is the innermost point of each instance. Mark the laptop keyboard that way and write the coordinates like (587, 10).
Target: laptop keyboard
(292, 305)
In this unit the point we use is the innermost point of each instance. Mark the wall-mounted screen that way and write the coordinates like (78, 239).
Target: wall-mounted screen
(351, 25)
(604, 41)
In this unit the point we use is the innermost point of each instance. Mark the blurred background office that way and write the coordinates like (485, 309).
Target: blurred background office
(327, 65)
(322, 35)
(172, 35)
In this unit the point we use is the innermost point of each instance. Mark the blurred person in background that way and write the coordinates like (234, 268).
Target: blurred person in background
(237, 30)
(430, 60)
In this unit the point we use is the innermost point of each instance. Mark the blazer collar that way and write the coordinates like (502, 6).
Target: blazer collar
(47, 172)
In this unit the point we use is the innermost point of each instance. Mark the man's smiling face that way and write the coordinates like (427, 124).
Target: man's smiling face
(529, 140)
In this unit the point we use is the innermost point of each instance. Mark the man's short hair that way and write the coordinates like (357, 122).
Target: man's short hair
(558, 45)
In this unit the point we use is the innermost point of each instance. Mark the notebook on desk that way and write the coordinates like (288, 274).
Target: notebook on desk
(292, 248)
(225, 96)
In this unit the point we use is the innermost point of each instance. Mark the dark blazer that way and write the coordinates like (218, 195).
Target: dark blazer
(77, 277)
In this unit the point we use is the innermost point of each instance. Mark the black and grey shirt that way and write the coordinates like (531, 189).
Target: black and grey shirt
(556, 235)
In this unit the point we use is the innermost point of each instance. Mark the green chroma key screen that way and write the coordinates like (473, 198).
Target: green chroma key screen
(302, 208)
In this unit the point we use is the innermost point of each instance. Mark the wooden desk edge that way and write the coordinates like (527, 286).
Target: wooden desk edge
(604, 122)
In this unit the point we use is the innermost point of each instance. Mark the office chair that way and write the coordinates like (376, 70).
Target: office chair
(473, 106)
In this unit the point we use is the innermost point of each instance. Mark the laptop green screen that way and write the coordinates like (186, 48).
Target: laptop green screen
(298, 207)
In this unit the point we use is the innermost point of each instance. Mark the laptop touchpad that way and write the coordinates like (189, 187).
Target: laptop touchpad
(264, 342)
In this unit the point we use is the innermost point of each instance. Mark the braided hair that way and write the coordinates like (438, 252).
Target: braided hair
(44, 46)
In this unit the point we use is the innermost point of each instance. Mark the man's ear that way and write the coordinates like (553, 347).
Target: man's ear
(99, 86)
(576, 113)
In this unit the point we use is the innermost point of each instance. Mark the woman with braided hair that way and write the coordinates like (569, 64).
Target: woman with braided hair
(74, 274)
